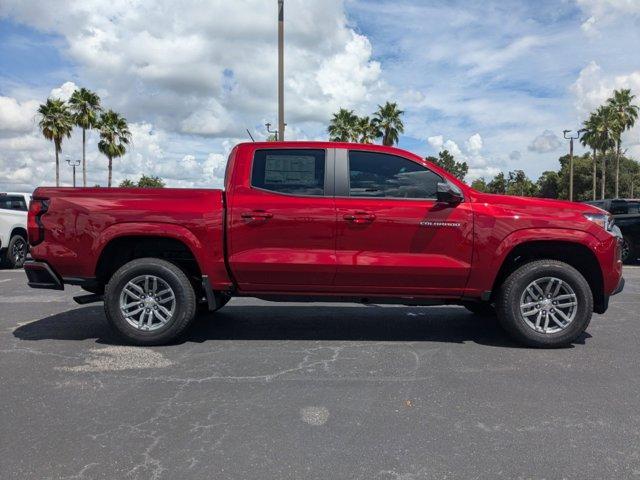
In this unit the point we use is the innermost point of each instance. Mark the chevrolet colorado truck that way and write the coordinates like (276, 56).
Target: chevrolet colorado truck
(324, 221)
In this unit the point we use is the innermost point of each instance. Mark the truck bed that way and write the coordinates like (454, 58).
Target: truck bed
(81, 221)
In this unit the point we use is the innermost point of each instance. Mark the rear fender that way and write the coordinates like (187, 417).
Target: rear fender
(148, 229)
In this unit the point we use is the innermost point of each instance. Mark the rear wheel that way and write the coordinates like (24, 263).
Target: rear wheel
(545, 303)
(17, 251)
(149, 301)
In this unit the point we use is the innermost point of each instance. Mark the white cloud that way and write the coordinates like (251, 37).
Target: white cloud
(592, 89)
(546, 142)
(474, 143)
(209, 68)
(605, 12)
(472, 154)
(64, 91)
(436, 142)
(17, 116)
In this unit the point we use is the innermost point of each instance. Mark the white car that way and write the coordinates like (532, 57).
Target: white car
(13, 228)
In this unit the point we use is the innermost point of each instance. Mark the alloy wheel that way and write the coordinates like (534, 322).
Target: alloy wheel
(548, 305)
(147, 302)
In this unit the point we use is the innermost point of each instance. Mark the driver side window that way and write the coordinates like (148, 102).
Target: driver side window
(373, 174)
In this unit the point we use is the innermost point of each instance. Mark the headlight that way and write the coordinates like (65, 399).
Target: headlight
(603, 219)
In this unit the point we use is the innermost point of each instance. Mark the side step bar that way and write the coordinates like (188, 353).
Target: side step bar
(89, 298)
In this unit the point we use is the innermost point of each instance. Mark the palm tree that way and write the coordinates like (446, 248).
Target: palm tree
(365, 130)
(590, 139)
(55, 123)
(388, 122)
(114, 137)
(605, 120)
(625, 118)
(85, 106)
(342, 127)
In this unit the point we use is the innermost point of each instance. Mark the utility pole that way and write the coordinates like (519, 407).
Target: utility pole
(571, 138)
(73, 164)
(281, 123)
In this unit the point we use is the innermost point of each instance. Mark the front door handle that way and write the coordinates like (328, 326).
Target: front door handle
(256, 216)
(359, 217)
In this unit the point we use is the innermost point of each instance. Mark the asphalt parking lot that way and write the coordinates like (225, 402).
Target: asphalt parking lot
(294, 391)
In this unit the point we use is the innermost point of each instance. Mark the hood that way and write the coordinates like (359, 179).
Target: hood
(534, 202)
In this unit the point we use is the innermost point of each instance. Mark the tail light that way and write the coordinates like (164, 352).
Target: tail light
(35, 228)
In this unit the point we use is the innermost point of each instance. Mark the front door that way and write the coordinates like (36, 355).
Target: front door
(392, 235)
(282, 221)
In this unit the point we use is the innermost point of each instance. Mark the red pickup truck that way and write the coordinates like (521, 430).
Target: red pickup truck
(319, 221)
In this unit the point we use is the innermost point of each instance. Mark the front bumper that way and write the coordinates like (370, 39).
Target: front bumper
(620, 287)
(41, 275)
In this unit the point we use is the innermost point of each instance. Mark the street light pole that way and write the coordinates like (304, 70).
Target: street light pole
(281, 123)
(73, 164)
(571, 138)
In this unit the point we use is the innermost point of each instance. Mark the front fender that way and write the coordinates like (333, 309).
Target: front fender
(492, 252)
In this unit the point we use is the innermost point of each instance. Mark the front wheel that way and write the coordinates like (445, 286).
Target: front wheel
(149, 301)
(545, 303)
(627, 252)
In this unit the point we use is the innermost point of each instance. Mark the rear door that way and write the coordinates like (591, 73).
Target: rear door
(392, 235)
(282, 220)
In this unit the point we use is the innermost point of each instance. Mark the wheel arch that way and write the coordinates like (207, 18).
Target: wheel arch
(122, 249)
(22, 231)
(576, 254)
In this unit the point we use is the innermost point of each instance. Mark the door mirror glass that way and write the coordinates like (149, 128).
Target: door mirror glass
(449, 194)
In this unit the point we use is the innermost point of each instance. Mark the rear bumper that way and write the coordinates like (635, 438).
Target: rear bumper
(41, 275)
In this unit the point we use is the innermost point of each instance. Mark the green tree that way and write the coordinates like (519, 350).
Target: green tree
(605, 120)
(85, 106)
(590, 138)
(625, 115)
(343, 126)
(114, 137)
(365, 130)
(549, 184)
(126, 183)
(447, 162)
(55, 123)
(519, 184)
(498, 184)
(150, 182)
(388, 121)
(480, 184)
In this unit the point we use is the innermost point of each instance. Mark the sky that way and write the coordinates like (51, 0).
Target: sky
(493, 82)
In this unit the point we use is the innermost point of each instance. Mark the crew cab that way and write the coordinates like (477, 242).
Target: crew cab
(324, 221)
(13, 228)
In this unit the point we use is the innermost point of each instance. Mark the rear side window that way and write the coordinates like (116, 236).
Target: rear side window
(290, 171)
(374, 174)
(10, 202)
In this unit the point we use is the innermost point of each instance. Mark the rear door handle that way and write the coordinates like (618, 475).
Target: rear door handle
(256, 216)
(360, 217)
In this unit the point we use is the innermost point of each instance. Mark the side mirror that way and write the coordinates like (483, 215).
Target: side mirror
(448, 194)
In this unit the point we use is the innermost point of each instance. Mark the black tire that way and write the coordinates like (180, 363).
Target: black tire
(17, 251)
(509, 296)
(628, 253)
(184, 309)
(482, 309)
